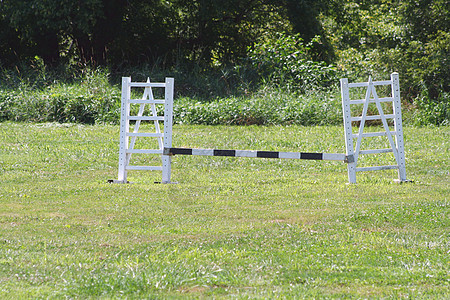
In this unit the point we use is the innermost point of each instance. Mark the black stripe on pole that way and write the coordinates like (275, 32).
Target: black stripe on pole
(315, 156)
(268, 154)
(181, 151)
(224, 152)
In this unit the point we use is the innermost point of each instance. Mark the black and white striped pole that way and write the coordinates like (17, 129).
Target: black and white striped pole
(260, 154)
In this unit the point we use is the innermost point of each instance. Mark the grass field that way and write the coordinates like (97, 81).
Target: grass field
(231, 228)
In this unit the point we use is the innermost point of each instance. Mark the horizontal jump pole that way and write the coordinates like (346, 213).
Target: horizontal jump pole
(261, 154)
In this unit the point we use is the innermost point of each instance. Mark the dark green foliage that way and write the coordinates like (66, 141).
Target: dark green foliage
(92, 99)
(63, 108)
(89, 101)
(84, 104)
(408, 37)
(268, 107)
(194, 81)
(6, 104)
(62, 30)
(220, 49)
(133, 32)
(436, 112)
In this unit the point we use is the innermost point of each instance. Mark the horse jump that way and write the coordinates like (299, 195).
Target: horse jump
(165, 149)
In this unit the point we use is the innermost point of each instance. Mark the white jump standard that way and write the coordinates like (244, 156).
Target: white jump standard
(395, 136)
(165, 149)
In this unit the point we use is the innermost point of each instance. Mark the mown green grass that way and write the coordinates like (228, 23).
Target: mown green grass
(244, 228)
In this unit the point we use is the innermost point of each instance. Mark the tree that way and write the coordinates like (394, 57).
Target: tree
(382, 36)
(46, 27)
(112, 31)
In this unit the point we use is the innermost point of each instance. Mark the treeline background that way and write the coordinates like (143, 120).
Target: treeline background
(273, 61)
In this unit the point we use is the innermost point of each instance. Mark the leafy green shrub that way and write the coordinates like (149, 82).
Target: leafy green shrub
(268, 107)
(431, 112)
(408, 37)
(285, 60)
(199, 82)
(93, 99)
(6, 104)
(90, 101)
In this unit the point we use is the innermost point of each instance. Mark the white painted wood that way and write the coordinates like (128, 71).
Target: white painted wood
(146, 101)
(365, 84)
(384, 121)
(373, 134)
(334, 156)
(349, 150)
(398, 127)
(144, 134)
(148, 84)
(376, 168)
(128, 138)
(375, 151)
(124, 128)
(361, 101)
(145, 168)
(154, 113)
(203, 152)
(246, 153)
(289, 155)
(145, 151)
(168, 119)
(145, 118)
(382, 82)
(395, 137)
(373, 117)
(136, 125)
(362, 119)
(357, 84)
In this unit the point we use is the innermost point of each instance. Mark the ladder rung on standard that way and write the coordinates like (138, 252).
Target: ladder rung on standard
(375, 151)
(144, 101)
(373, 117)
(145, 118)
(374, 134)
(144, 168)
(364, 84)
(362, 101)
(147, 84)
(378, 168)
(143, 134)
